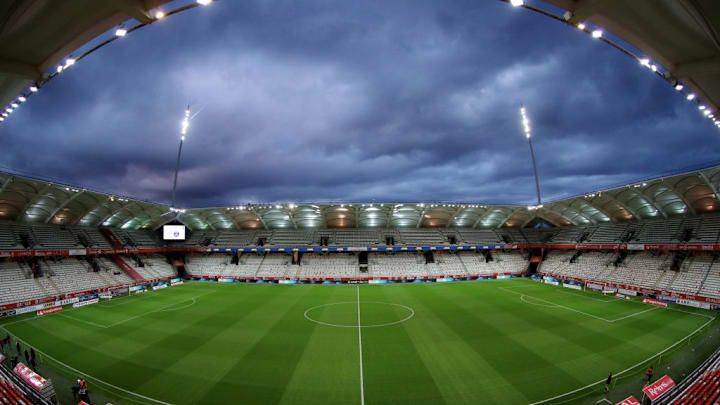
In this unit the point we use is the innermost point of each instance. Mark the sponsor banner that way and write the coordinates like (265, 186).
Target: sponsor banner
(635, 246)
(627, 292)
(226, 280)
(551, 282)
(77, 252)
(8, 313)
(174, 283)
(49, 310)
(140, 291)
(573, 286)
(137, 287)
(659, 387)
(106, 296)
(89, 297)
(84, 303)
(631, 400)
(625, 297)
(30, 377)
(176, 280)
(357, 282)
(654, 302)
(66, 301)
(594, 286)
(159, 287)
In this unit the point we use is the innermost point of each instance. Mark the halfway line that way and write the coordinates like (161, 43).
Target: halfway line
(362, 385)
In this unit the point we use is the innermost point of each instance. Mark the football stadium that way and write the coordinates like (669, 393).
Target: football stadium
(607, 296)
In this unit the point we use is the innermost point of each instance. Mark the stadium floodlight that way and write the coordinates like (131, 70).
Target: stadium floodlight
(517, 3)
(9, 110)
(581, 26)
(597, 34)
(59, 68)
(14, 105)
(679, 87)
(2, 119)
(691, 97)
(69, 62)
(33, 89)
(5, 114)
(21, 99)
(702, 107)
(526, 127)
(707, 112)
(159, 15)
(184, 127)
(204, 2)
(645, 62)
(120, 32)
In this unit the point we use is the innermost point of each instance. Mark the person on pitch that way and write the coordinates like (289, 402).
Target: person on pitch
(607, 382)
(649, 374)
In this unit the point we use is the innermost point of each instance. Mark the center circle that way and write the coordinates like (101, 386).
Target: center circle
(345, 314)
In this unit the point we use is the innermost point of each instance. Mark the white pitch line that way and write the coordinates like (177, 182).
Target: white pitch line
(558, 305)
(636, 313)
(362, 384)
(627, 369)
(88, 376)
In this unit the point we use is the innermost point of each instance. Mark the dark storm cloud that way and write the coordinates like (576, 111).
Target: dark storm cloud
(333, 101)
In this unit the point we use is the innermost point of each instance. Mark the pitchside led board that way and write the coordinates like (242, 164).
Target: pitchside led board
(174, 232)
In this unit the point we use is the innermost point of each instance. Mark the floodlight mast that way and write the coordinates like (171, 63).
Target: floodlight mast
(183, 131)
(526, 127)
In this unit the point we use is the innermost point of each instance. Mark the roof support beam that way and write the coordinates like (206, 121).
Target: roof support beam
(422, 216)
(626, 207)
(113, 212)
(512, 212)
(6, 183)
(483, 216)
(134, 9)
(452, 217)
(591, 202)
(577, 212)
(705, 179)
(650, 201)
(586, 9)
(292, 220)
(63, 205)
(673, 188)
(259, 217)
(34, 199)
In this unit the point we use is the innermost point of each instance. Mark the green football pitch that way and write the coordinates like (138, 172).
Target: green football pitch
(485, 342)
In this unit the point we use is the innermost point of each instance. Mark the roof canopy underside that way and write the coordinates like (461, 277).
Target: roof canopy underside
(29, 200)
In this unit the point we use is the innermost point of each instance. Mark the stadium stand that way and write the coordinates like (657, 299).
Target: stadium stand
(701, 387)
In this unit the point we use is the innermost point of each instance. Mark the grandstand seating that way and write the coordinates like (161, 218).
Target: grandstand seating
(154, 266)
(701, 387)
(12, 395)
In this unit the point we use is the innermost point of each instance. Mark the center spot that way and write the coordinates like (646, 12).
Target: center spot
(372, 314)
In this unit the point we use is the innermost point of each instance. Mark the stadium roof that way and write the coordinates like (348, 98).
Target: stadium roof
(37, 35)
(681, 35)
(28, 200)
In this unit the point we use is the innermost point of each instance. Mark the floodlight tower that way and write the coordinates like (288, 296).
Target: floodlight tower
(526, 127)
(183, 132)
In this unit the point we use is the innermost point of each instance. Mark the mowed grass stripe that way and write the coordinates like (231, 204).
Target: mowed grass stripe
(329, 366)
(262, 374)
(393, 368)
(461, 375)
(468, 342)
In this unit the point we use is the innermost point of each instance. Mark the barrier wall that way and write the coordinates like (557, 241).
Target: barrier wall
(85, 252)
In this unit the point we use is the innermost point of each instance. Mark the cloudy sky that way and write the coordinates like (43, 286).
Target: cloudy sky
(319, 100)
